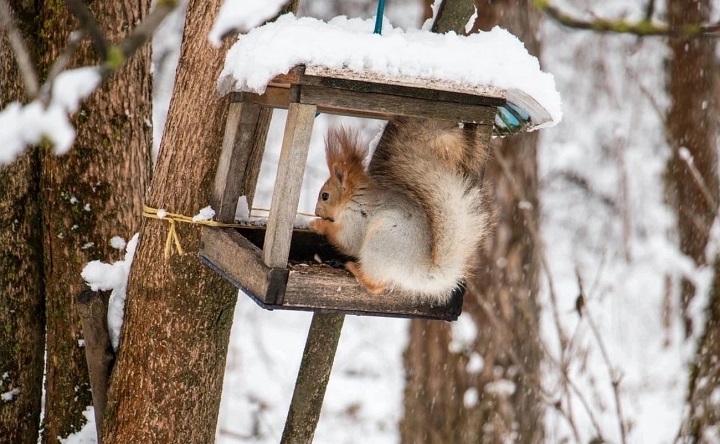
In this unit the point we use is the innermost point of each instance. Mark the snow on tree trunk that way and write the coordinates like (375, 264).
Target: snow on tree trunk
(463, 385)
(22, 331)
(167, 380)
(89, 195)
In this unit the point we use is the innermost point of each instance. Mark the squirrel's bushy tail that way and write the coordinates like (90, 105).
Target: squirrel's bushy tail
(435, 164)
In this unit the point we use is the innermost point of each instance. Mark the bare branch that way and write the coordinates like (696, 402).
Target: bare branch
(643, 28)
(22, 55)
(118, 55)
(59, 66)
(614, 377)
(87, 22)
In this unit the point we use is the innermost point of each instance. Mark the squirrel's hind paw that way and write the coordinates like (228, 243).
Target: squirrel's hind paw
(370, 285)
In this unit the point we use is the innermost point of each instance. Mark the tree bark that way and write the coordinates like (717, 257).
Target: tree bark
(167, 381)
(704, 412)
(22, 312)
(691, 124)
(453, 395)
(89, 195)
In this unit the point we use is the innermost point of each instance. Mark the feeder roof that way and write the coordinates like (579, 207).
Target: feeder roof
(494, 63)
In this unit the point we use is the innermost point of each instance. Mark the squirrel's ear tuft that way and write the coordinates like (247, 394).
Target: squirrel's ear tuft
(338, 172)
(343, 146)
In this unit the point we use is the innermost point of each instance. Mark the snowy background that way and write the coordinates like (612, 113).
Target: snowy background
(603, 219)
(603, 222)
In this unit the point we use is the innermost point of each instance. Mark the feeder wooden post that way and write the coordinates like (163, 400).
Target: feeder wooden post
(312, 379)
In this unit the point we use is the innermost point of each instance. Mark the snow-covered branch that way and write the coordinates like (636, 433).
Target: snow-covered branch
(46, 117)
(644, 28)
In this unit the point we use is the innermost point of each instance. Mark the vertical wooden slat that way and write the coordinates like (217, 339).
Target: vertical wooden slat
(252, 167)
(245, 135)
(313, 377)
(227, 180)
(286, 194)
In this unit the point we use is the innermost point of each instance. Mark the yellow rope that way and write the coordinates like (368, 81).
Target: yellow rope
(172, 237)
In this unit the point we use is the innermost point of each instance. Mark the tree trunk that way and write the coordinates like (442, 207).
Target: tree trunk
(167, 381)
(90, 195)
(22, 312)
(691, 124)
(488, 391)
(704, 415)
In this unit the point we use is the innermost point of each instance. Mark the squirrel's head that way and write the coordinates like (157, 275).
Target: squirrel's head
(345, 157)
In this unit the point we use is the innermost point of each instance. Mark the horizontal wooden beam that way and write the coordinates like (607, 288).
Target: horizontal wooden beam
(307, 286)
(368, 105)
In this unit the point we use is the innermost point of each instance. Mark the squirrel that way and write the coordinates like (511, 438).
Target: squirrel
(415, 216)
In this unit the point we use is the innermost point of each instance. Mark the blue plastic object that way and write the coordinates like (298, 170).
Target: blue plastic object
(379, 17)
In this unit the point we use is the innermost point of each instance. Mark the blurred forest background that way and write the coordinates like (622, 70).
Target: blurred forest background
(593, 314)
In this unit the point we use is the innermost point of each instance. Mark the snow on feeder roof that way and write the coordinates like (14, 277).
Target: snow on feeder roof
(491, 64)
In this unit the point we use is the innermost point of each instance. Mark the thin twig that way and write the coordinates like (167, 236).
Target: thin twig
(87, 22)
(614, 378)
(490, 315)
(117, 55)
(22, 55)
(578, 393)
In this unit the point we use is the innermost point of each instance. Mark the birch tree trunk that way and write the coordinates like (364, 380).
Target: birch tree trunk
(487, 392)
(167, 380)
(89, 195)
(22, 312)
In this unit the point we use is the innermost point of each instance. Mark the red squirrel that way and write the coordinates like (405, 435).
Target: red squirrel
(412, 219)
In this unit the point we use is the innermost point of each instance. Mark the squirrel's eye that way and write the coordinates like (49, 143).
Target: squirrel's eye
(325, 196)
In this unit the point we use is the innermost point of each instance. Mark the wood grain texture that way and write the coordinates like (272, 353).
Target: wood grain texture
(385, 104)
(238, 260)
(371, 104)
(286, 193)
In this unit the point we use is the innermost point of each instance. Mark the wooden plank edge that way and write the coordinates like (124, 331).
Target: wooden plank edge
(351, 298)
(239, 261)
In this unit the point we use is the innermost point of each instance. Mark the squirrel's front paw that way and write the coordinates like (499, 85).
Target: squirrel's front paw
(318, 226)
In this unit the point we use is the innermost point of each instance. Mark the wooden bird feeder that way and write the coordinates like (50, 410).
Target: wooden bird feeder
(274, 264)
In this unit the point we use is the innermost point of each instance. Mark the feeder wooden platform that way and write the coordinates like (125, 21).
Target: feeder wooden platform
(275, 264)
